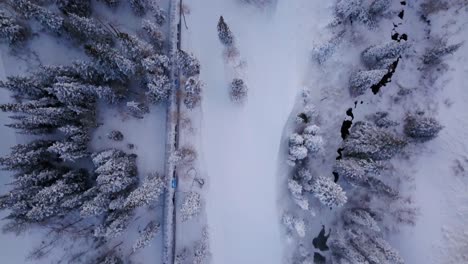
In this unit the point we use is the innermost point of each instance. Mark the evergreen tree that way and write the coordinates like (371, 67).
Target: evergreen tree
(154, 34)
(422, 127)
(369, 141)
(238, 91)
(157, 64)
(84, 29)
(373, 56)
(158, 13)
(188, 64)
(24, 87)
(146, 236)
(159, 89)
(224, 33)
(112, 62)
(11, 30)
(329, 193)
(139, 7)
(78, 7)
(135, 48)
(362, 81)
(378, 7)
(360, 217)
(357, 171)
(434, 55)
(149, 192)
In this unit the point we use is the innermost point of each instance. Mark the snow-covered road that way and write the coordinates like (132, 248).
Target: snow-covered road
(241, 143)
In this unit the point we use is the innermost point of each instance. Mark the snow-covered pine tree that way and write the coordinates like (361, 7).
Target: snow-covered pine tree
(157, 64)
(434, 55)
(111, 61)
(158, 13)
(378, 56)
(357, 171)
(367, 141)
(84, 29)
(422, 127)
(116, 171)
(360, 217)
(78, 7)
(328, 192)
(192, 90)
(224, 33)
(343, 253)
(238, 91)
(297, 150)
(148, 233)
(312, 140)
(362, 81)
(69, 150)
(349, 9)
(378, 7)
(297, 192)
(135, 48)
(149, 192)
(154, 34)
(188, 64)
(28, 157)
(11, 30)
(139, 7)
(159, 89)
(114, 224)
(24, 87)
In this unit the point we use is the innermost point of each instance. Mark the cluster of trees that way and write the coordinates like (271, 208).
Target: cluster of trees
(305, 144)
(119, 56)
(378, 60)
(361, 11)
(57, 179)
(365, 153)
(198, 253)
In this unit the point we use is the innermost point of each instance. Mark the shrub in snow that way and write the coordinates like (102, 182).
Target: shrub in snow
(297, 150)
(188, 64)
(360, 217)
(146, 236)
(78, 7)
(238, 90)
(192, 93)
(329, 193)
(158, 13)
(115, 135)
(349, 9)
(183, 155)
(323, 52)
(139, 6)
(11, 30)
(368, 141)
(294, 224)
(191, 206)
(136, 109)
(422, 127)
(201, 250)
(154, 34)
(381, 119)
(297, 193)
(373, 56)
(110, 259)
(377, 7)
(362, 81)
(224, 33)
(434, 55)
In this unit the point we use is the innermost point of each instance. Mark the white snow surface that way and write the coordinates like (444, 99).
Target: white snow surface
(240, 142)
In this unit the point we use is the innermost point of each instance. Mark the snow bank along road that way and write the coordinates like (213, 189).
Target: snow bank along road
(241, 142)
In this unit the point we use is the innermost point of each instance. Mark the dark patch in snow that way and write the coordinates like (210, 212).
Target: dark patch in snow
(336, 177)
(386, 78)
(349, 113)
(304, 117)
(345, 128)
(401, 14)
(320, 242)
(319, 259)
(403, 2)
(340, 154)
